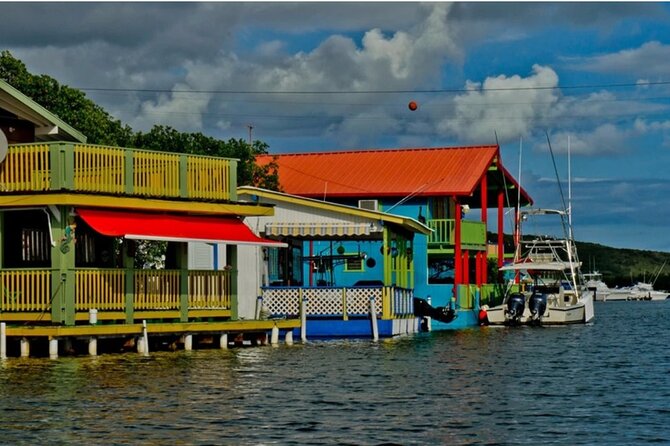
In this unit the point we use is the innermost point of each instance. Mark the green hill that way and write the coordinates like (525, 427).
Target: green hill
(624, 266)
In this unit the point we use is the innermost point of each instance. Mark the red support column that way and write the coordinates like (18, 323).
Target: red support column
(481, 259)
(458, 267)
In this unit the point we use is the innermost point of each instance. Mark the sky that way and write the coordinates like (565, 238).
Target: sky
(593, 78)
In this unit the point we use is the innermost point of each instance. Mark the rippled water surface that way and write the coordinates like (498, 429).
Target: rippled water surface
(605, 383)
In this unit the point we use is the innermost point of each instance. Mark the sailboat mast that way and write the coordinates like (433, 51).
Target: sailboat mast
(569, 192)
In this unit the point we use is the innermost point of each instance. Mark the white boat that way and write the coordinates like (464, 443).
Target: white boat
(555, 293)
(645, 291)
(603, 293)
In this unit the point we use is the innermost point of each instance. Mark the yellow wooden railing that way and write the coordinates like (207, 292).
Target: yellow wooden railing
(115, 170)
(208, 178)
(157, 290)
(102, 289)
(155, 172)
(26, 168)
(30, 290)
(25, 290)
(209, 289)
(98, 169)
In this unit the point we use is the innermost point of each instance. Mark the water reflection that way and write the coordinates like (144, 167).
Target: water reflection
(566, 385)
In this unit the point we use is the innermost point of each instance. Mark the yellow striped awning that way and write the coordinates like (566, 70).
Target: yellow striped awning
(316, 229)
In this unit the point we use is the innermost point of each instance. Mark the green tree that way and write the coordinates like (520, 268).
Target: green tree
(69, 104)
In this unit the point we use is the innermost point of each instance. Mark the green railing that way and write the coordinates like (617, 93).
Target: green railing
(473, 234)
(116, 170)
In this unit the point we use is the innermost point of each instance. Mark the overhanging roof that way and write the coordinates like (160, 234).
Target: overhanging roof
(48, 127)
(439, 171)
(406, 223)
(172, 227)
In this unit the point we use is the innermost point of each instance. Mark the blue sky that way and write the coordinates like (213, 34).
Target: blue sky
(330, 76)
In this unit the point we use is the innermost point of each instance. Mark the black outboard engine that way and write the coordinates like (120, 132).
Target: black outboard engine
(515, 306)
(537, 304)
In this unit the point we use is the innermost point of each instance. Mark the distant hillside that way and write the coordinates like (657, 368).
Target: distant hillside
(619, 267)
(623, 266)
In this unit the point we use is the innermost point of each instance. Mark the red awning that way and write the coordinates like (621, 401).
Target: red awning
(172, 227)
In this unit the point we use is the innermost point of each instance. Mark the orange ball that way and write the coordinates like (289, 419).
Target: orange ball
(413, 105)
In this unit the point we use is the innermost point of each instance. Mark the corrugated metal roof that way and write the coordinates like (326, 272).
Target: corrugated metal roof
(397, 172)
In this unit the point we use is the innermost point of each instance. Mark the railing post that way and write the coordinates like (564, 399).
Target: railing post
(183, 176)
(129, 284)
(387, 310)
(128, 171)
(345, 316)
(303, 316)
(61, 159)
(232, 180)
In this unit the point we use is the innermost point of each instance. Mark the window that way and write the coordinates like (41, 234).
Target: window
(353, 264)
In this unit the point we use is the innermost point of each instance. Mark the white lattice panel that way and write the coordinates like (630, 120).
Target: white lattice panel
(284, 301)
(324, 301)
(358, 300)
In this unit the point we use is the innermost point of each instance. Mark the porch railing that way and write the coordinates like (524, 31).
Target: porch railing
(473, 234)
(99, 169)
(339, 302)
(31, 290)
(25, 290)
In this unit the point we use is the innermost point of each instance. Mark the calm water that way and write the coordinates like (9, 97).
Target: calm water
(606, 383)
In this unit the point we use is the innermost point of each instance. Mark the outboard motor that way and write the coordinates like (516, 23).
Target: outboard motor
(537, 304)
(515, 306)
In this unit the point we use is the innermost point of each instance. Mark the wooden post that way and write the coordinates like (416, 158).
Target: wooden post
(373, 319)
(188, 342)
(303, 317)
(129, 282)
(93, 346)
(223, 341)
(289, 337)
(3, 340)
(274, 338)
(53, 348)
(145, 339)
(25, 347)
(231, 259)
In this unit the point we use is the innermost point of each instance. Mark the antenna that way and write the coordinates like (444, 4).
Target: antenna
(4, 145)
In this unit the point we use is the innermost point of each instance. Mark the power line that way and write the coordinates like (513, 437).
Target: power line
(329, 92)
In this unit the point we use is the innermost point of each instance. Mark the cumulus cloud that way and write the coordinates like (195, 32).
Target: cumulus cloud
(510, 106)
(650, 60)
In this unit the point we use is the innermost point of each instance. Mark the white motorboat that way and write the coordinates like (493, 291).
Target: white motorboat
(646, 291)
(556, 293)
(594, 282)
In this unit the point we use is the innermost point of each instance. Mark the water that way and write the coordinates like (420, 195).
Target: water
(605, 383)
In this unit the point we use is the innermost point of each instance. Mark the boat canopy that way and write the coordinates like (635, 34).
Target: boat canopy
(537, 266)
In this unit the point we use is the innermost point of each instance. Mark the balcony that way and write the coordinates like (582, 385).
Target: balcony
(443, 239)
(50, 167)
(118, 294)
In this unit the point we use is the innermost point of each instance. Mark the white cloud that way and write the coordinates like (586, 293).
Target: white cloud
(509, 106)
(650, 60)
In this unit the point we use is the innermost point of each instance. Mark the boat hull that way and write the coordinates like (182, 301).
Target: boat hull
(580, 313)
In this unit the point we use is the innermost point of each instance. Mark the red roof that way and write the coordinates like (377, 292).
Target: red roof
(397, 172)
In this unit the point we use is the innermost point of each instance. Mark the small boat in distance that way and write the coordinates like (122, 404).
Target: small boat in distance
(554, 292)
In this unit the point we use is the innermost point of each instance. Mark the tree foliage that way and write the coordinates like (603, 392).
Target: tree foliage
(72, 106)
